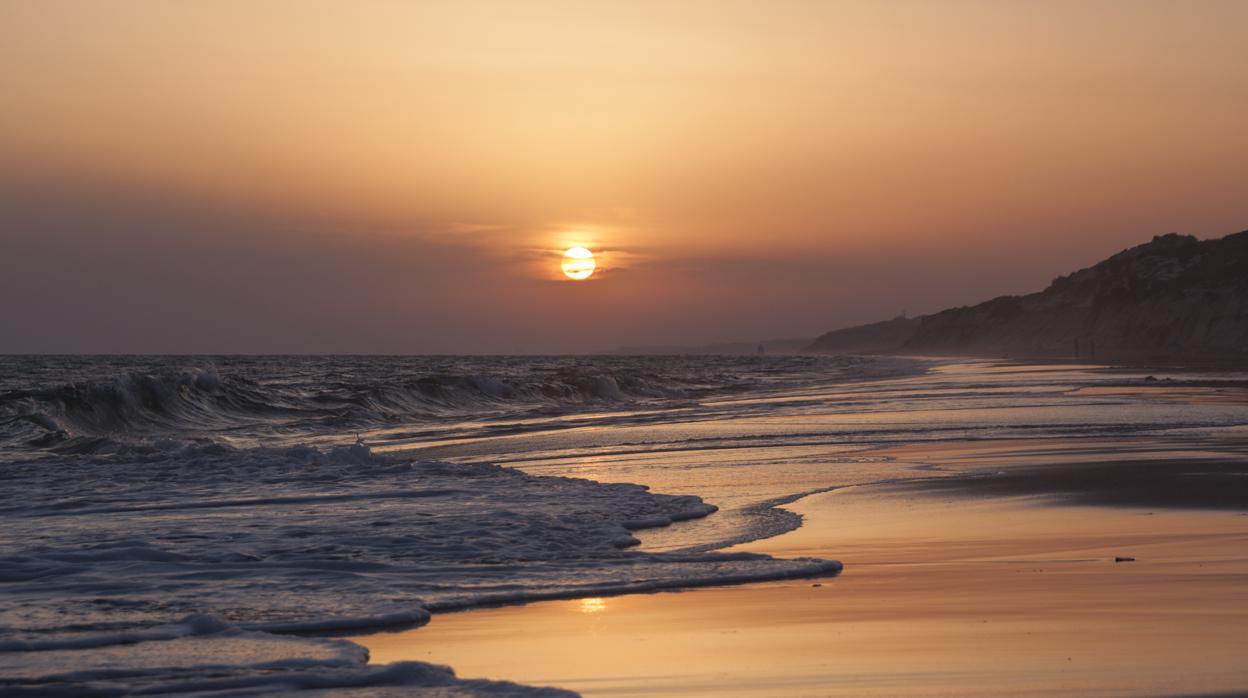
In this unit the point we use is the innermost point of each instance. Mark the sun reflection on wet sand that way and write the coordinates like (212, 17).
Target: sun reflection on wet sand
(593, 605)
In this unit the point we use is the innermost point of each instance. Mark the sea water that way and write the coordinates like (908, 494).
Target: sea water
(204, 523)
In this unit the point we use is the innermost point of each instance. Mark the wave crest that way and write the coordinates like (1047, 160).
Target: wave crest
(152, 403)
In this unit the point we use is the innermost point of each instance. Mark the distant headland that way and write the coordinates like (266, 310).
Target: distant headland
(1174, 298)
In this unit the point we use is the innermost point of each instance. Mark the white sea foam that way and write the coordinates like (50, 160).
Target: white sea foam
(99, 555)
(201, 655)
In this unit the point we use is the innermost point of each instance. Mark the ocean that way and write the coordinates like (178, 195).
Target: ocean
(211, 523)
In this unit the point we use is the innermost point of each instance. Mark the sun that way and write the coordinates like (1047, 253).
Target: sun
(578, 263)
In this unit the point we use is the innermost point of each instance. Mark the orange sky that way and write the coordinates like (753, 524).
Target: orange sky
(747, 170)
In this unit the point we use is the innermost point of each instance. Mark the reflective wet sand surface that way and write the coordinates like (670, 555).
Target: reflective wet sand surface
(953, 585)
(940, 595)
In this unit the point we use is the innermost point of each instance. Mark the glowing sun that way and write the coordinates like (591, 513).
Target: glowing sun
(578, 263)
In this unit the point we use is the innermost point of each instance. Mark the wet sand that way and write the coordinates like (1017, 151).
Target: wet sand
(958, 586)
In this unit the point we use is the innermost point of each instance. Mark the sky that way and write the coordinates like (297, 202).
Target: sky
(401, 177)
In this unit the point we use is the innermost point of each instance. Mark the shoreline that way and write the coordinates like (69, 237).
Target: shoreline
(896, 583)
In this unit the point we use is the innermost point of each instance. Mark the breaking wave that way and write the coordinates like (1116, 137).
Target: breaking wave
(89, 406)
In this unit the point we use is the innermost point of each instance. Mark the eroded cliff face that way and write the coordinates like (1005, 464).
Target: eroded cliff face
(1174, 297)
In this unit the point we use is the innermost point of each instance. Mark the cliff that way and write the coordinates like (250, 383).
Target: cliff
(1175, 297)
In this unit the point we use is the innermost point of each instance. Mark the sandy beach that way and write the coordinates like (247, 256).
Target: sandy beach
(950, 588)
